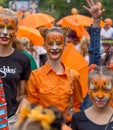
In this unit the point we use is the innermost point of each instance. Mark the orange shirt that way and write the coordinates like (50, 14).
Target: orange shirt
(46, 88)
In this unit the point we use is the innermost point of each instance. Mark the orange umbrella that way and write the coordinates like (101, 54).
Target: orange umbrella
(80, 30)
(73, 59)
(77, 22)
(31, 33)
(37, 20)
(19, 15)
(78, 19)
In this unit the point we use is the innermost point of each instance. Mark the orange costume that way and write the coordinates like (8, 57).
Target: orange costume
(47, 88)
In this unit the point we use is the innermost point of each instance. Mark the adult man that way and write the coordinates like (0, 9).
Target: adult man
(107, 30)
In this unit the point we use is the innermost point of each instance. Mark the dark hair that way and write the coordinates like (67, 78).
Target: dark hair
(35, 117)
(57, 124)
(109, 55)
(73, 35)
(10, 14)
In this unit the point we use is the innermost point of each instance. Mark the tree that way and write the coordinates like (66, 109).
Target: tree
(61, 8)
(4, 3)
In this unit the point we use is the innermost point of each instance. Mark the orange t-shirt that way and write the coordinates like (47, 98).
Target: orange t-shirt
(47, 88)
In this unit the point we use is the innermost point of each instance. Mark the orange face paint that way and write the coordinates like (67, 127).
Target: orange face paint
(7, 27)
(54, 40)
(100, 88)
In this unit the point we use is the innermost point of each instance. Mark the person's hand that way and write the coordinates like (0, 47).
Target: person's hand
(23, 102)
(94, 9)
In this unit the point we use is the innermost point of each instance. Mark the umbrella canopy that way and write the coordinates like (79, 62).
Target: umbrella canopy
(78, 19)
(78, 23)
(19, 15)
(73, 59)
(80, 30)
(37, 20)
(32, 34)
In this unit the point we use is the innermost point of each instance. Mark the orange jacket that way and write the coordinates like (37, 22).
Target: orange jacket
(46, 88)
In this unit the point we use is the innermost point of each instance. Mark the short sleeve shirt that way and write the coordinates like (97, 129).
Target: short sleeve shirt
(16, 67)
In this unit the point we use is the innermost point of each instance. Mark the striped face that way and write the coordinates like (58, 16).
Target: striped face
(100, 90)
(54, 45)
(7, 29)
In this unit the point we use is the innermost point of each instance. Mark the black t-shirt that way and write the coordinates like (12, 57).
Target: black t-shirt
(81, 122)
(16, 67)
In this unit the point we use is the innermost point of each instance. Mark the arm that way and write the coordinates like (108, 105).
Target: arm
(21, 90)
(21, 96)
(32, 89)
(94, 48)
(78, 96)
(94, 31)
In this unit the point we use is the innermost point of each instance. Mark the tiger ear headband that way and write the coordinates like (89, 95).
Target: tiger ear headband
(66, 30)
(45, 116)
(93, 66)
(43, 31)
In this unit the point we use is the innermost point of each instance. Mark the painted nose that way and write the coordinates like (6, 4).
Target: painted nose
(5, 31)
(54, 46)
(100, 95)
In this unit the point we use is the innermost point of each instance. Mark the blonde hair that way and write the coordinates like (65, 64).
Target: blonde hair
(84, 45)
(24, 41)
(5, 12)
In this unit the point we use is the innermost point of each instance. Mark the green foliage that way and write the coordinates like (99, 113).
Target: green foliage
(60, 8)
(4, 3)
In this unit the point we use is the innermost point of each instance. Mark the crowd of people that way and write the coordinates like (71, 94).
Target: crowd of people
(50, 96)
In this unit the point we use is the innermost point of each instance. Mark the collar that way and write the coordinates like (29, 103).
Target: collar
(48, 69)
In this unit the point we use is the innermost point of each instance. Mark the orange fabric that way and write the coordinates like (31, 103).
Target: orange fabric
(92, 66)
(78, 19)
(37, 20)
(111, 66)
(73, 59)
(78, 23)
(32, 34)
(46, 88)
(19, 15)
(65, 127)
(80, 30)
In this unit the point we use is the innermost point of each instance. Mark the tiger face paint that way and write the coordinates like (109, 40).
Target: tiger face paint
(54, 45)
(7, 29)
(101, 91)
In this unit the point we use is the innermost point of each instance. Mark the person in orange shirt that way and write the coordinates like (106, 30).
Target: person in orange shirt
(54, 84)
